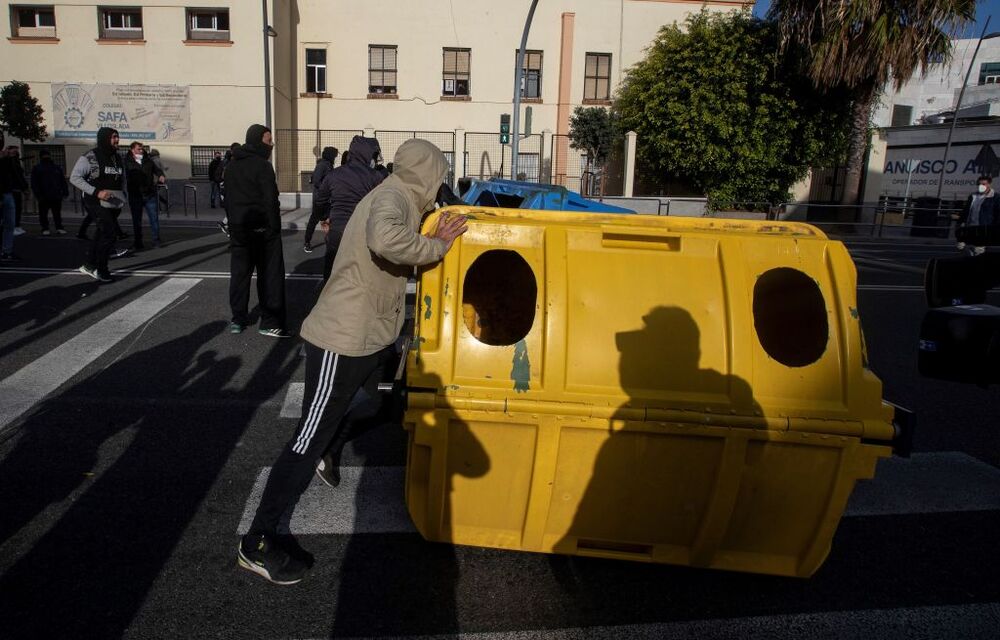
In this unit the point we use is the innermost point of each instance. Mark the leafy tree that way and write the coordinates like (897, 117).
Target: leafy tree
(20, 113)
(593, 131)
(716, 105)
(862, 45)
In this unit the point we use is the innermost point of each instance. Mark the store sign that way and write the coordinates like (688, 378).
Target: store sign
(917, 171)
(157, 112)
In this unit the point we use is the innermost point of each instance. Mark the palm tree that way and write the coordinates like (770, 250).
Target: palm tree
(862, 45)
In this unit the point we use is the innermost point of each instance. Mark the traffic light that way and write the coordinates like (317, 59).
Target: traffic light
(504, 128)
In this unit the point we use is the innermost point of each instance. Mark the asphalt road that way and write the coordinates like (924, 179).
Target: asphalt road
(128, 467)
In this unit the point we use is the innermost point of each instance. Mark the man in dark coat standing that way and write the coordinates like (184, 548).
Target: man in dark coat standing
(255, 235)
(100, 175)
(49, 186)
(323, 166)
(143, 175)
(343, 188)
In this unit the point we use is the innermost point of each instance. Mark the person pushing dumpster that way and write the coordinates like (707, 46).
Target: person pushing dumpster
(349, 335)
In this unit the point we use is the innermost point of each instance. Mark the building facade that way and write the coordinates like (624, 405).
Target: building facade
(189, 79)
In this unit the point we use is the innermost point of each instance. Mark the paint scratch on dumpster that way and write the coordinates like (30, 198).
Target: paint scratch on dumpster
(854, 312)
(520, 372)
(427, 304)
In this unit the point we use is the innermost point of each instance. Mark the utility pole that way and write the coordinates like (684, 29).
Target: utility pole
(267, 68)
(518, 74)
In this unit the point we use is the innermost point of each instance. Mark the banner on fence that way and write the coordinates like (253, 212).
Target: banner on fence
(147, 112)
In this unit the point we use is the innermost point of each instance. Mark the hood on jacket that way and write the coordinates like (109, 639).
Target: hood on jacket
(104, 139)
(329, 154)
(255, 141)
(363, 150)
(422, 168)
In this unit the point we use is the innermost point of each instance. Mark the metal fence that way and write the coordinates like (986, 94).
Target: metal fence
(389, 141)
(298, 149)
(570, 169)
(201, 157)
(486, 158)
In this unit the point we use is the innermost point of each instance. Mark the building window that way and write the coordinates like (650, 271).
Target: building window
(201, 157)
(989, 72)
(902, 115)
(34, 22)
(381, 68)
(208, 24)
(455, 78)
(121, 23)
(531, 81)
(315, 70)
(597, 77)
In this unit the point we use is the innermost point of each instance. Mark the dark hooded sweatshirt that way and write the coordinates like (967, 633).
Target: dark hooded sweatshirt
(344, 187)
(100, 169)
(323, 166)
(251, 187)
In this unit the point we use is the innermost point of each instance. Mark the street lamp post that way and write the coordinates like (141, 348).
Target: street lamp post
(267, 67)
(958, 105)
(518, 74)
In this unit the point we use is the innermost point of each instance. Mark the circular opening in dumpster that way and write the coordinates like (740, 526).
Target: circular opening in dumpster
(789, 314)
(498, 298)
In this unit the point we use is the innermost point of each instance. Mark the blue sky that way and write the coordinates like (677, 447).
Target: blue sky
(986, 8)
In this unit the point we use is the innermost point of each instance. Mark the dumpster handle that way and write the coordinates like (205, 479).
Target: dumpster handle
(640, 239)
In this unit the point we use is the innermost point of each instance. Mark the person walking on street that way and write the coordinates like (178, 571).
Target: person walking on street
(143, 176)
(255, 235)
(323, 166)
(8, 219)
(349, 336)
(982, 209)
(343, 188)
(49, 186)
(100, 175)
(215, 169)
(20, 186)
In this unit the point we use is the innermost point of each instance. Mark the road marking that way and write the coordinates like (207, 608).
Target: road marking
(947, 621)
(24, 389)
(370, 499)
(411, 287)
(292, 407)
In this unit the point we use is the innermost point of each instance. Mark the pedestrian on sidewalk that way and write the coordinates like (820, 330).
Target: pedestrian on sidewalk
(8, 218)
(215, 170)
(255, 235)
(323, 166)
(20, 187)
(349, 336)
(982, 209)
(142, 178)
(100, 175)
(49, 186)
(343, 188)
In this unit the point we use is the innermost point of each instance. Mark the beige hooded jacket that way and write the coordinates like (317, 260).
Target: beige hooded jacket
(360, 310)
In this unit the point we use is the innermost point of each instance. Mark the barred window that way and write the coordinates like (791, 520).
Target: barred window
(381, 68)
(201, 157)
(455, 77)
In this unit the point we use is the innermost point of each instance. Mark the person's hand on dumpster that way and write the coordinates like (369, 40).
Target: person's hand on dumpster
(450, 227)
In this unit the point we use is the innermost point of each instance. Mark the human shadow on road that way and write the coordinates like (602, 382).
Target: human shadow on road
(39, 307)
(646, 488)
(399, 584)
(129, 477)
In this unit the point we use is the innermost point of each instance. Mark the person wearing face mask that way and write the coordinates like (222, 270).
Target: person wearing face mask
(255, 235)
(350, 334)
(142, 176)
(980, 210)
(343, 188)
(100, 175)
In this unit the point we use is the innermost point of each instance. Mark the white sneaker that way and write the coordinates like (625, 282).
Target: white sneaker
(61, 232)
(18, 231)
(960, 246)
(978, 251)
(46, 233)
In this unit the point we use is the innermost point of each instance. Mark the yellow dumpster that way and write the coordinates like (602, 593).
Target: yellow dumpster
(684, 391)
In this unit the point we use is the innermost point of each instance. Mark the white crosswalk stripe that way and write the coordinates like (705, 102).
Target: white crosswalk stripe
(370, 499)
